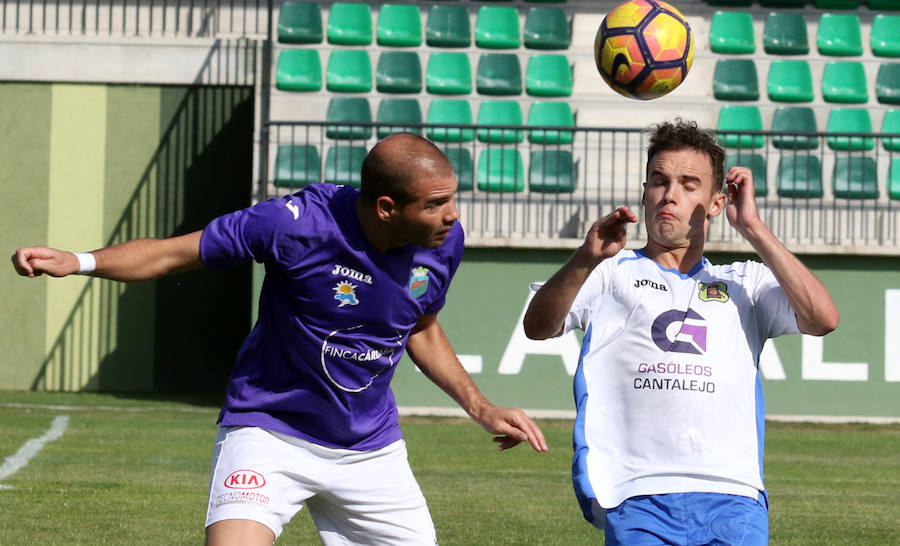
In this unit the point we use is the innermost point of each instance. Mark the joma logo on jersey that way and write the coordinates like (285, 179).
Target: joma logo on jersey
(344, 271)
(679, 331)
(714, 291)
(647, 282)
(245, 479)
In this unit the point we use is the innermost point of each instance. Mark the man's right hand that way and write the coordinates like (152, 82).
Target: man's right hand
(37, 260)
(607, 235)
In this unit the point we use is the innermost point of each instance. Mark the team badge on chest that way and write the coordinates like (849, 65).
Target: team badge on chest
(418, 281)
(345, 293)
(714, 291)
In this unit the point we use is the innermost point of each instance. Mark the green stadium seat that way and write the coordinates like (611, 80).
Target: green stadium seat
(343, 164)
(735, 79)
(551, 171)
(740, 118)
(399, 72)
(399, 25)
(501, 170)
(799, 176)
(349, 24)
(497, 27)
(790, 81)
(349, 71)
(548, 76)
(451, 112)
(794, 119)
(550, 114)
(837, 4)
(839, 35)
(731, 32)
(298, 70)
(887, 83)
(546, 28)
(893, 179)
(297, 166)
(398, 112)
(300, 23)
(448, 26)
(885, 38)
(499, 74)
(883, 5)
(849, 120)
(891, 125)
(854, 177)
(784, 33)
(448, 73)
(500, 112)
(463, 166)
(844, 82)
(782, 3)
(348, 110)
(757, 165)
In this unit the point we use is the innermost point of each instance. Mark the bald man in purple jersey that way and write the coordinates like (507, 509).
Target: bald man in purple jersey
(352, 278)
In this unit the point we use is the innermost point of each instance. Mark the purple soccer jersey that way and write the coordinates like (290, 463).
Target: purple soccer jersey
(334, 316)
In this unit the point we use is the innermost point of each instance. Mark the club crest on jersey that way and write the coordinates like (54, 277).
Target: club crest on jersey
(418, 281)
(714, 291)
(345, 293)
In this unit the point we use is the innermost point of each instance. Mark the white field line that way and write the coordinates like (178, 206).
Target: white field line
(118, 409)
(29, 449)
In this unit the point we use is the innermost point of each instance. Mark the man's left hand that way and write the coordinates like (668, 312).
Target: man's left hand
(741, 193)
(512, 426)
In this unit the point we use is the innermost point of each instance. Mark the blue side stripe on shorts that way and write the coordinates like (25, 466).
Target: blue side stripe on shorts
(584, 492)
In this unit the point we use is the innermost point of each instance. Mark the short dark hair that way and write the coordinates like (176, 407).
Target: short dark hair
(394, 164)
(680, 134)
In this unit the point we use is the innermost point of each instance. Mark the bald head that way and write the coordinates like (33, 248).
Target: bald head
(394, 165)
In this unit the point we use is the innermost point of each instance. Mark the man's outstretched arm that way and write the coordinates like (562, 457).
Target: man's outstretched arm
(815, 310)
(431, 351)
(137, 260)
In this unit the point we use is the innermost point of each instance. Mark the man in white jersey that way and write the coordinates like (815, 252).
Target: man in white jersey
(669, 433)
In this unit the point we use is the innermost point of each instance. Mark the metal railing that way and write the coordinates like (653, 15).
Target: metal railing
(135, 18)
(519, 192)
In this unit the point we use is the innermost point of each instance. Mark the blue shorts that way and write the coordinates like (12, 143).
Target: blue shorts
(688, 519)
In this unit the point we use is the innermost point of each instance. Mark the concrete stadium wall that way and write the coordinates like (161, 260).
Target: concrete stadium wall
(87, 165)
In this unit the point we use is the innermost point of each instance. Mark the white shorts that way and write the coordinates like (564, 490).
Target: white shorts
(354, 497)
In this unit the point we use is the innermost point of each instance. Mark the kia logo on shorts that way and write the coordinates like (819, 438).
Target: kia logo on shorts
(245, 479)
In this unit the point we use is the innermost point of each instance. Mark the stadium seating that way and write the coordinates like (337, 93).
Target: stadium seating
(790, 81)
(854, 177)
(343, 163)
(300, 23)
(885, 39)
(551, 171)
(893, 181)
(397, 112)
(348, 110)
(731, 32)
(546, 28)
(550, 114)
(836, 4)
(849, 120)
(349, 71)
(735, 79)
(497, 27)
(844, 82)
(448, 73)
(757, 165)
(839, 35)
(500, 112)
(784, 33)
(349, 24)
(297, 166)
(398, 72)
(799, 176)
(887, 83)
(500, 170)
(740, 118)
(730, 3)
(298, 70)
(782, 3)
(499, 74)
(451, 112)
(794, 119)
(883, 4)
(448, 26)
(548, 76)
(399, 25)
(891, 125)
(463, 166)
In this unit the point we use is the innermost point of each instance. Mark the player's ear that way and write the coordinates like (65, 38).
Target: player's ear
(385, 208)
(717, 204)
(643, 192)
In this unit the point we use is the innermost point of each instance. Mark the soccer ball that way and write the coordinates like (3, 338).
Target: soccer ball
(644, 48)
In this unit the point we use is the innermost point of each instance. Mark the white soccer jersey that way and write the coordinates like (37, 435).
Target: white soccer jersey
(668, 390)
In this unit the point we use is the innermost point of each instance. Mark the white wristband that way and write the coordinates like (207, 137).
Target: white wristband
(86, 262)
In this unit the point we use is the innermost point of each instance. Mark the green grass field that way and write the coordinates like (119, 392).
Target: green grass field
(134, 471)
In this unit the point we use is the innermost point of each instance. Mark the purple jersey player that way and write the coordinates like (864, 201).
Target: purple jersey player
(352, 278)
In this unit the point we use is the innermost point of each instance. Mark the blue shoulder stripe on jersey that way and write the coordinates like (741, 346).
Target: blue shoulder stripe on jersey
(584, 492)
(641, 253)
